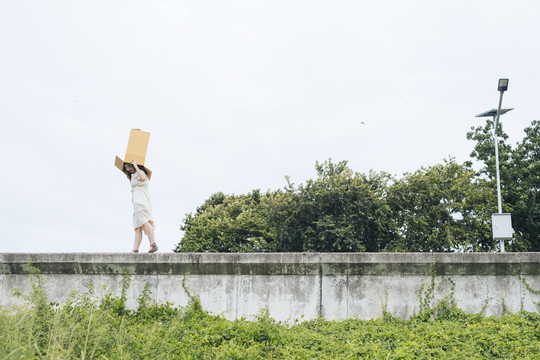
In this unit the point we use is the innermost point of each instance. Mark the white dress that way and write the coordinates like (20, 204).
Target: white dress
(142, 206)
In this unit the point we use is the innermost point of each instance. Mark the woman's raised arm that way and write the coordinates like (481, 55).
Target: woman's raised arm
(141, 173)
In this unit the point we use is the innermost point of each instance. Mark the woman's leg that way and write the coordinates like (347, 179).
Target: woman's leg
(149, 230)
(138, 238)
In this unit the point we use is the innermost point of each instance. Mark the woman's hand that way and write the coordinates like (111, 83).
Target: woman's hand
(141, 173)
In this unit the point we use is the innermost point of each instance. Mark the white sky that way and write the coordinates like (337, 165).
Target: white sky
(237, 94)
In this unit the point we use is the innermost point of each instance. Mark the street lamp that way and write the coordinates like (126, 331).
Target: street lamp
(501, 223)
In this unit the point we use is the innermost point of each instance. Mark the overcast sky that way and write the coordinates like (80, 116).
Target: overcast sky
(236, 95)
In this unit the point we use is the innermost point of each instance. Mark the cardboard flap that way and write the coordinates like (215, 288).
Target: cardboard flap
(119, 163)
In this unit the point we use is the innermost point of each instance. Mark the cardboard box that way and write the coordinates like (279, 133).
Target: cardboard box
(136, 149)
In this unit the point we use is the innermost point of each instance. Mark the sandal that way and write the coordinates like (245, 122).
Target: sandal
(135, 251)
(153, 248)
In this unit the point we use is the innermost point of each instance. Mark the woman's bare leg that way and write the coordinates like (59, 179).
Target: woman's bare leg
(138, 238)
(149, 230)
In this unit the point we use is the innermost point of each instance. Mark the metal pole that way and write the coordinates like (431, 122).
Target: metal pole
(496, 141)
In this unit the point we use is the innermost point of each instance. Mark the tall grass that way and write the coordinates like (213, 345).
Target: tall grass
(89, 328)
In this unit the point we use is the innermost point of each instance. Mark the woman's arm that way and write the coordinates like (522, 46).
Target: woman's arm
(141, 173)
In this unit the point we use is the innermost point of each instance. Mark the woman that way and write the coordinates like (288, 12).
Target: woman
(142, 207)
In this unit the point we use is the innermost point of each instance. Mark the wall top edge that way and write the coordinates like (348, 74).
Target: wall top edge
(277, 258)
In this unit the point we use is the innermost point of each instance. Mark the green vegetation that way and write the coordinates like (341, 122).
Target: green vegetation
(87, 328)
(342, 211)
(520, 179)
(445, 207)
(441, 208)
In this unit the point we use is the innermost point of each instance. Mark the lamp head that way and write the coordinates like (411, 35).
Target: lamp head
(503, 85)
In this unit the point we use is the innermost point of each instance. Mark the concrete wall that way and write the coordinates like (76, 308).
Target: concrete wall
(291, 285)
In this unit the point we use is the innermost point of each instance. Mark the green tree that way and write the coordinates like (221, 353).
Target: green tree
(442, 208)
(235, 223)
(445, 207)
(523, 184)
(519, 174)
(339, 211)
(484, 151)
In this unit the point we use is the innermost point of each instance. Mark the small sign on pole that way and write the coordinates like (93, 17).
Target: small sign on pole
(502, 226)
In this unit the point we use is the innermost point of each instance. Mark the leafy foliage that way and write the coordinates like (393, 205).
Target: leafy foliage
(520, 179)
(339, 211)
(342, 211)
(524, 187)
(440, 208)
(229, 224)
(484, 149)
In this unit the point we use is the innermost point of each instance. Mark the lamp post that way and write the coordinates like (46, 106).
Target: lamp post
(501, 223)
